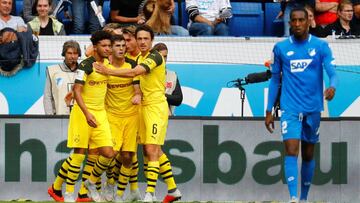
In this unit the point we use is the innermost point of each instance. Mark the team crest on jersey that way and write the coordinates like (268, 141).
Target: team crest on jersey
(299, 65)
(312, 52)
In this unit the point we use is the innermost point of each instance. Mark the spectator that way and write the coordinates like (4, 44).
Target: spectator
(7, 20)
(326, 11)
(60, 79)
(29, 9)
(78, 10)
(43, 24)
(343, 26)
(173, 91)
(126, 12)
(356, 18)
(356, 4)
(314, 29)
(207, 17)
(158, 15)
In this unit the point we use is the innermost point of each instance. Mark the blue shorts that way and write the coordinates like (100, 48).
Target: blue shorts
(303, 126)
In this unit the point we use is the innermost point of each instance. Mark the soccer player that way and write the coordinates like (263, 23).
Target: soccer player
(88, 124)
(122, 99)
(132, 53)
(154, 108)
(132, 49)
(299, 62)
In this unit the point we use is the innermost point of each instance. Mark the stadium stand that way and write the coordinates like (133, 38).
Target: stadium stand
(247, 20)
(19, 7)
(273, 26)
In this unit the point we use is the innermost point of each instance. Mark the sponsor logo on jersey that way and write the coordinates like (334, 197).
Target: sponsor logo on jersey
(112, 86)
(290, 53)
(102, 82)
(299, 65)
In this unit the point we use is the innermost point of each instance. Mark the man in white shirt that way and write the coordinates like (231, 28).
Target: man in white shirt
(208, 17)
(7, 20)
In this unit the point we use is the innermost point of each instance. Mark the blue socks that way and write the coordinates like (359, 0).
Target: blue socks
(291, 174)
(307, 172)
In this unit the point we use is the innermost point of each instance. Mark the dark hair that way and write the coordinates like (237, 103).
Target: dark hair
(33, 8)
(160, 47)
(302, 9)
(117, 38)
(71, 44)
(145, 28)
(99, 35)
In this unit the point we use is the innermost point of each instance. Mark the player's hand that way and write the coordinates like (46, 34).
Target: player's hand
(269, 122)
(91, 120)
(100, 68)
(329, 93)
(136, 100)
(68, 98)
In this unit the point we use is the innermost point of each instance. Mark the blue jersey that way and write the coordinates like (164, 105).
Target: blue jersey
(299, 65)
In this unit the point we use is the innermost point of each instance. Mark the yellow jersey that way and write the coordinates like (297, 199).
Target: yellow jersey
(120, 92)
(94, 84)
(152, 84)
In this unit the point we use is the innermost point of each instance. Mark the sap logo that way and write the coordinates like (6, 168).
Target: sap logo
(299, 65)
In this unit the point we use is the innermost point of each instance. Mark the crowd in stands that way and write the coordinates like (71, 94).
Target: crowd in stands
(328, 17)
(206, 18)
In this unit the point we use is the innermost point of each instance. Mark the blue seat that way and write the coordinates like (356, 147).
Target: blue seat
(19, 7)
(176, 14)
(185, 17)
(273, 26)
(106, 11)
(247, 20)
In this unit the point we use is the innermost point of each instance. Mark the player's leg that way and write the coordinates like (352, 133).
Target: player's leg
(134, 187)
(89, 165)
(55, 189)
(156, 120)
(78, 134)
(125, 170)
(128, 133)
(116, 127)
(167, 175)
(291, 132)
(310, 136)
(74, 169)
(102, 140)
